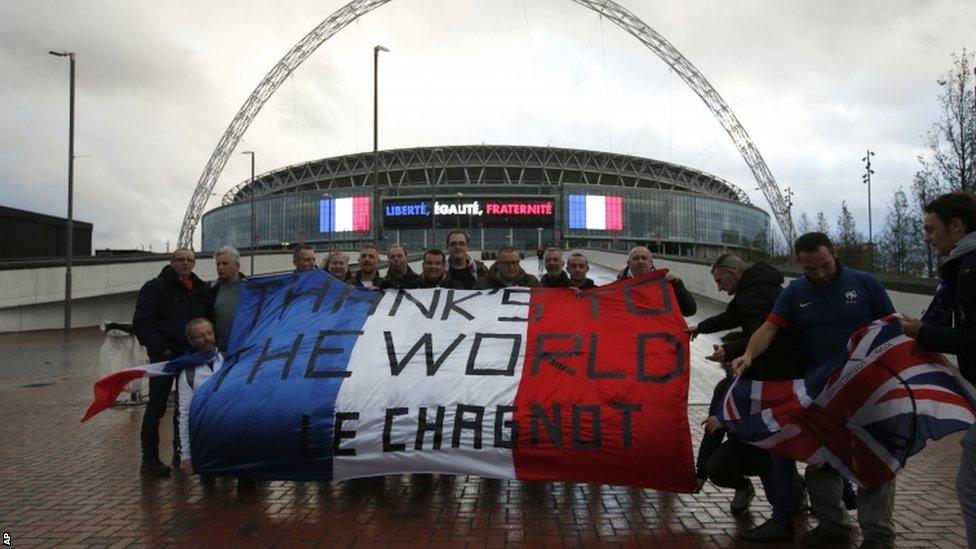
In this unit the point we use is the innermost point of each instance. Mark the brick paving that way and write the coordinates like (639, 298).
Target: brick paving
(67, 484)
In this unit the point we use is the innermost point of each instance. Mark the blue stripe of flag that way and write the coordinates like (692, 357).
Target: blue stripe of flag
(269, 412)
(577, 211)
(327, 215)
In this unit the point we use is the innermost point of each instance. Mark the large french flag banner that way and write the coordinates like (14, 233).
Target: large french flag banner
(863, 413)
(324, 381)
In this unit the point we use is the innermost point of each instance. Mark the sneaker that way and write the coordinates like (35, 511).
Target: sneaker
(742, 499)
(158, 469)
(820, 536)
(768, 532)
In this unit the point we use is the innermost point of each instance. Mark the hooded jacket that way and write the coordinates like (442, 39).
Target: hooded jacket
(959, 273)
(559, 281)
(494, 280)
(408, 281)
(750, 306)
(163, 308)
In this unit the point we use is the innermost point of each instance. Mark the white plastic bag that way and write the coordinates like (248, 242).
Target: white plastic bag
(122, 350)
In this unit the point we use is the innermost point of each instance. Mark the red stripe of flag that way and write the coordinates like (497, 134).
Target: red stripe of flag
(360, 213)
(614, 213)
(109, 387)
(654, 450)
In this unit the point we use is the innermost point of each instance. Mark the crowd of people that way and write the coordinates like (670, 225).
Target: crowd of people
(773, 333)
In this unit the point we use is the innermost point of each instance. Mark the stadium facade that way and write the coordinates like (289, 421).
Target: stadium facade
(519, 195)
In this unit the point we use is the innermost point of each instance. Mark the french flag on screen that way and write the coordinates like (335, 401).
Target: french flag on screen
(592, 212)
(344, 214)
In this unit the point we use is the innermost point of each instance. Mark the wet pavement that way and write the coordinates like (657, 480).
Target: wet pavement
(67, 484)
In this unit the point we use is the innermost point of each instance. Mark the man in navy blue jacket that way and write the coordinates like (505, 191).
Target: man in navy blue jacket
(826, 306)
(949, 322)
(165, 305)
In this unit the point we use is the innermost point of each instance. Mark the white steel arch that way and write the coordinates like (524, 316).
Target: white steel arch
(607, 8)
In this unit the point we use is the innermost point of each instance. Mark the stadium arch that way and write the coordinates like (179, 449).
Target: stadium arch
(606, 8)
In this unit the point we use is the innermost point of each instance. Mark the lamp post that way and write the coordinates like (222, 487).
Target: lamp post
(376, 160)
(254, 234)
(69, 237)
(866, 178)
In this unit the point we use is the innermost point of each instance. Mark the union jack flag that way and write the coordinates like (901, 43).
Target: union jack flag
(862, 413)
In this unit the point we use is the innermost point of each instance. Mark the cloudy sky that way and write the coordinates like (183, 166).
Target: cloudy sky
(814, 83)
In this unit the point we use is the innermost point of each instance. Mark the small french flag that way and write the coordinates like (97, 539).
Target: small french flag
(592, 212)
(108, 388)
(344, 214)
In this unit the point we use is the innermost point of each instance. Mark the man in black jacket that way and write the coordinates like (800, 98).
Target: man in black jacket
(399, 275)
(434, 274)
(578, 266)
(949, 323)
(555, 276)
(640, 262)
(163, 308)
(754, 290)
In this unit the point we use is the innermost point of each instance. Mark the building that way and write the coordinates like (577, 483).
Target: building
(524, 196)
(33, 235)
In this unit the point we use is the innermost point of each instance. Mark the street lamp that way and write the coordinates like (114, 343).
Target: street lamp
(376, 160)
(254, 234)
(69, 237)
(866, 178)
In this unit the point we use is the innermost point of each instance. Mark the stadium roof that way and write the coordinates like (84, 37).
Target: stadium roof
(485, 165)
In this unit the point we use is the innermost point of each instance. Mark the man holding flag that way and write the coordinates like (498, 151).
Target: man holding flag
(826, 306)
(949, 322)
(163, 308)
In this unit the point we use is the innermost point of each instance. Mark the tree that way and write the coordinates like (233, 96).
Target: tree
(952, 141)
(850, 243)
(822, 225)
(925, 188)
(803, 227)
(899, 244)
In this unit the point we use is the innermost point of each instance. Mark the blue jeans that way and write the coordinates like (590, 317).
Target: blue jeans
(966, 484)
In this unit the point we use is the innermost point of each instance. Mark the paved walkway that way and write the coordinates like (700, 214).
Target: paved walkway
(67, 484)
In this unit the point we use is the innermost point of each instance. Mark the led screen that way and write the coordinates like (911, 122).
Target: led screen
(596, 213)
(338, 215)
(473, 211)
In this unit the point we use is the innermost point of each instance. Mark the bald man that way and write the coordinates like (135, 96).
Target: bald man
(640, 262)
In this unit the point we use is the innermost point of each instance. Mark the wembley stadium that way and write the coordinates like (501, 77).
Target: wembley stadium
(519, 195)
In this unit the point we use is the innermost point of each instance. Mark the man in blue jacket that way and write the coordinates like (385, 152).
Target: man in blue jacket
(164, 306)
(826, 306)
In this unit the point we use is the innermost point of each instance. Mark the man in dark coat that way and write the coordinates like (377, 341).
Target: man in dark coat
(949, 322)
(578, 266)
(555, 276)
(399, 275)
(434, 274)
(506, 272)
(460, 266)
(754, 291)
(640, 262)
(163, 308)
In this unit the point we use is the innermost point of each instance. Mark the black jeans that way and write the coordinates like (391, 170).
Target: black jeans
(735, 460)
(159, 389)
